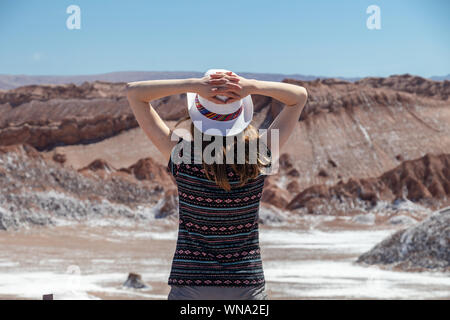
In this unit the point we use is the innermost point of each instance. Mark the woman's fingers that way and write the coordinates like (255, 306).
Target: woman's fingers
(217, 81)
(217, 100)
(224, 85)
(224, 76)
(234, 86)
(231, 100)
(217, 75)
(221, 74)
(227, 88)
(223, 91)
(229, 85)
(229, 94)
(232, 97)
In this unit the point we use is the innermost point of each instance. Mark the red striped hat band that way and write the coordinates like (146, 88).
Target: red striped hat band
(217, 116)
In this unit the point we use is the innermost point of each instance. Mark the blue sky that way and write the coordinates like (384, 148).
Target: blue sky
(316, 37)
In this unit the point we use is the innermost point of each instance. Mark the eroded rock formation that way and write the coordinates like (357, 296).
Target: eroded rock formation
(424, 246)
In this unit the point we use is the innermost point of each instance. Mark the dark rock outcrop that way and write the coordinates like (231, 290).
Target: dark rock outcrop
(424, 246)
(135, 281)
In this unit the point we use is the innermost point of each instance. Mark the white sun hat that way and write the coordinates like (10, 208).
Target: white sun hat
(219, 119)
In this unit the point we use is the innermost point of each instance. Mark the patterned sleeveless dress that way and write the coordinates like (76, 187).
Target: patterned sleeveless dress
(218, 241)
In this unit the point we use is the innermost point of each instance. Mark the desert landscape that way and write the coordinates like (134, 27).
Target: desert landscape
(357, 209)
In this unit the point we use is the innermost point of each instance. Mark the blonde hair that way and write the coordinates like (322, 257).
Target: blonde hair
(217, 172)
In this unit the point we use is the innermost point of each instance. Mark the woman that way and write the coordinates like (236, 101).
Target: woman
(217, 254)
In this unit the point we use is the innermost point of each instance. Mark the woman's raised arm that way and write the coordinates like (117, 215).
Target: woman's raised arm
(294, 97)
(140, 94)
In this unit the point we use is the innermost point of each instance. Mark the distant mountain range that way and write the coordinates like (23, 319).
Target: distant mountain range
(440, 78)
(13, 81)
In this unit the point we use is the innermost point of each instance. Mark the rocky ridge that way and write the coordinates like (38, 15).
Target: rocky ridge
(360, 147)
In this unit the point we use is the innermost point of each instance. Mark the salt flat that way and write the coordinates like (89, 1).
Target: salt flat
(91, 261)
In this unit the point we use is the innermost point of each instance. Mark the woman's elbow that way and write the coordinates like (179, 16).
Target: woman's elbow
(130, 89)
(304, 93)
(129, 86)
